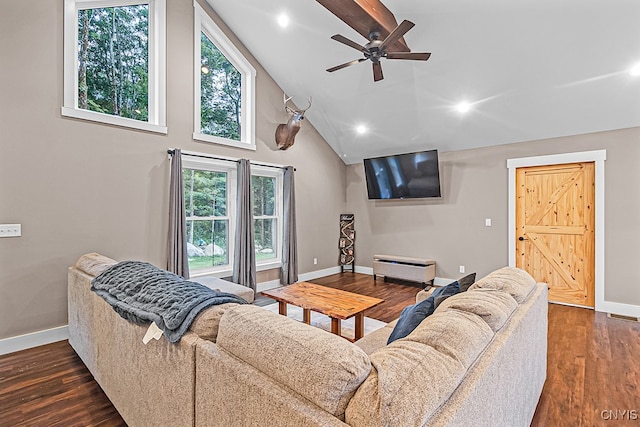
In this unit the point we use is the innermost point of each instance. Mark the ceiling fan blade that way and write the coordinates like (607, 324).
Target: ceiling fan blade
(418, 56)
(377, 72)
(346, 64)
(399, 31)
(350, 43)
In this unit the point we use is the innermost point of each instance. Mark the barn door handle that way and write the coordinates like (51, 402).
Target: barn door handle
(522, 238)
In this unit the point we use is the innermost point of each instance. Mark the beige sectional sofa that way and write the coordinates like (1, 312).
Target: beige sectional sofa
(480, 359)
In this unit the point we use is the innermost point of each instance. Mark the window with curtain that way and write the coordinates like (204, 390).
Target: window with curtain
(267, 216)
(210, 188)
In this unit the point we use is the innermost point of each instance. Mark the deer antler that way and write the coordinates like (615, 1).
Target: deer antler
(308, 106)
(290, 110)
(285, 100)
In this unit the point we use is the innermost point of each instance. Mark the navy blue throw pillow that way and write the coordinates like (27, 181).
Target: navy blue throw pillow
(412, 315)
(451, 289)
(467, 281)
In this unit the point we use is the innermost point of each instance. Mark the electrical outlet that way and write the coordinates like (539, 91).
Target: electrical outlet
(487, 222)
(315, 261)
(462, 269)
(10, 230)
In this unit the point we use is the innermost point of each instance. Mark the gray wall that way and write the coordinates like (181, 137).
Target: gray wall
(80, 187)
(451, 230)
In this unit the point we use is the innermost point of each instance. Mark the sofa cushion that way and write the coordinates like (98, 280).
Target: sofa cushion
(414, 376)
(206, 324)
(412, 315)
(226, 286)
(322, 367)
(493, 306)
(458, 334)
(376, 339)
(94, 264)
(515, 281)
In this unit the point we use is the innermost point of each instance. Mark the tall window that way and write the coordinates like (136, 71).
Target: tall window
(210, 189)
(114, 62)
(265, 217)
(207, 215)
(220, 94)
(225, 86)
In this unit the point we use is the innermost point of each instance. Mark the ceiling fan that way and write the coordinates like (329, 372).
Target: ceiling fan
(377, 49)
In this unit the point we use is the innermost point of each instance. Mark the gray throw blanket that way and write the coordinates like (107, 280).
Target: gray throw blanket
(143, 293)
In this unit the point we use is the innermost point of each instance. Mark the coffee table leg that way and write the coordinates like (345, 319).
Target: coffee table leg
(359, 321)
(336, 326)
(306, 316)
(282, 308)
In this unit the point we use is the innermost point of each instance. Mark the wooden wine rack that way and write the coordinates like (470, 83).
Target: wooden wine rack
(346, 242)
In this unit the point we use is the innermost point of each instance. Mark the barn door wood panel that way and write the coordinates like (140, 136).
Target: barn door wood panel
(555, 235)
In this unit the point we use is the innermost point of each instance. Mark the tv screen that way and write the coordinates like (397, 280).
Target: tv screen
(403, 176)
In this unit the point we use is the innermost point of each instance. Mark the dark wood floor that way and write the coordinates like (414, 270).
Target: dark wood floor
(593, 370)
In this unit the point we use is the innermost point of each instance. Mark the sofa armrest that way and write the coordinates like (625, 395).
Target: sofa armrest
(230, 392)
(324, 368)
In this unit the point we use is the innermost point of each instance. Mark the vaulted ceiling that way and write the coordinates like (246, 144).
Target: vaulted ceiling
(530, 69)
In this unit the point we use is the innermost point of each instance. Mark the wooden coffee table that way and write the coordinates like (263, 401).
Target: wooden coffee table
(338, 305)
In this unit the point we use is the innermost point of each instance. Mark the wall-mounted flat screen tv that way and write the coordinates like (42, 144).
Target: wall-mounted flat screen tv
(403, 176)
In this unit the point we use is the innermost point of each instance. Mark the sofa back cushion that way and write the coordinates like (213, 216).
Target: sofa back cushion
(94, 264)
(414, 376)
(513, 280)
(323, 368)
(492, 305)
(206, 324)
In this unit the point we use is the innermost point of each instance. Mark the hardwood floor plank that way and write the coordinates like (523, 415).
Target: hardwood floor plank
(592, 367)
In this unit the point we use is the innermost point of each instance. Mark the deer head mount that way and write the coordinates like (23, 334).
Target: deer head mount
(286, 132)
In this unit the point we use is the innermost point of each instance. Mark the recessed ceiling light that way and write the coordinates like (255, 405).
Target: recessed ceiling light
(361, 129)
(635, 70)
(463, 107)
(283, 20)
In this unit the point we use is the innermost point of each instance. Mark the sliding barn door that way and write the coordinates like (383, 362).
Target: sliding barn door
(555, 229)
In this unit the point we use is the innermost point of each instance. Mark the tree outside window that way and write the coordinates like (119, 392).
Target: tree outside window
(265, 217)
(114, 62)
(221, 93)
(205, 194)
(224, 87)
(113, 57)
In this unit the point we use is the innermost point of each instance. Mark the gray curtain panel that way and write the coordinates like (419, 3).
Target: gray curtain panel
(289, 272)
(244, 260)
(177, 261)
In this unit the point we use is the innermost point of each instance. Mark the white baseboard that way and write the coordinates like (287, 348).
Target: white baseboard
(442, 281)
(263, 286)
(304, 277)
(35, 339)
(364, 270)
(619, 308)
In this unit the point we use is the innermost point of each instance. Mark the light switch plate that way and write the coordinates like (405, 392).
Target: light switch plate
(487, 222)
(10, 230)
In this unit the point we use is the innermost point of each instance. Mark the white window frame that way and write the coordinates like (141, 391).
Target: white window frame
(189, 162)
(278, 174)
(157, 65)
(204, 24)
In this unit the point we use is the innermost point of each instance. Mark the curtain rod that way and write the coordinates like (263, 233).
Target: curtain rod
(172, 152)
